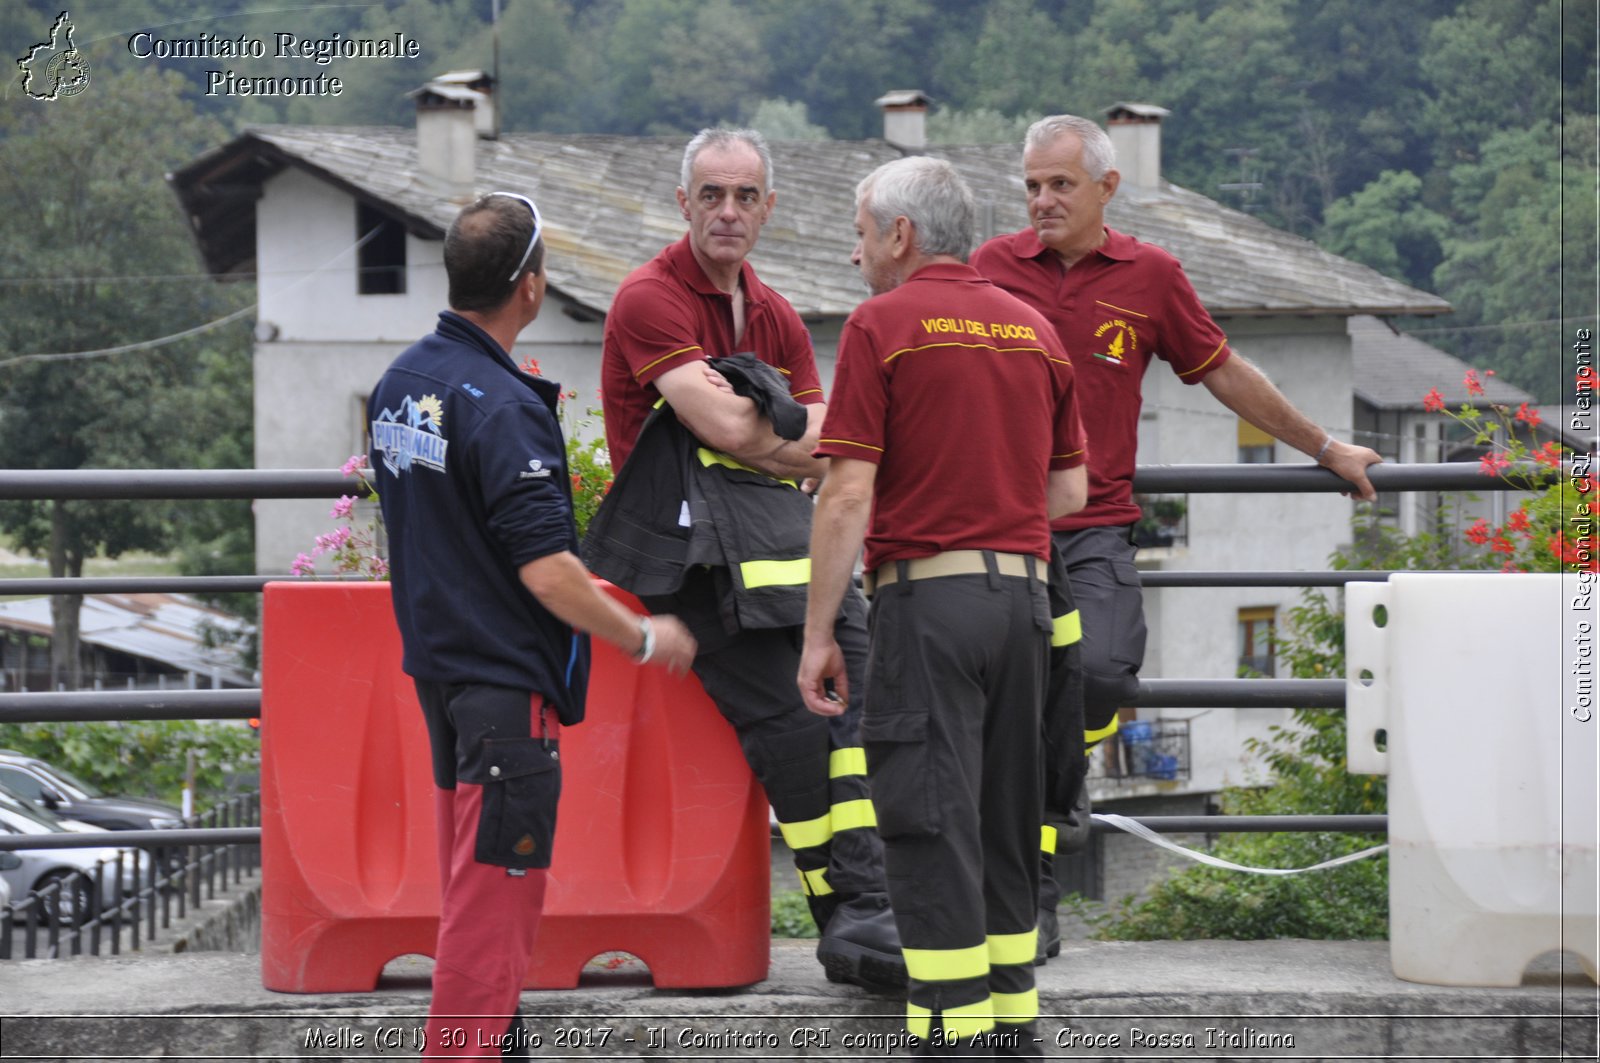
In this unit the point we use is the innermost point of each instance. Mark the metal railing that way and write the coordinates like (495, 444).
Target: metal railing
(315, 483)
(212, 853)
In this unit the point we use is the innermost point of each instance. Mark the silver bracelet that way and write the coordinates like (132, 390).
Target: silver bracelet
(647, 647)
(1326, 443)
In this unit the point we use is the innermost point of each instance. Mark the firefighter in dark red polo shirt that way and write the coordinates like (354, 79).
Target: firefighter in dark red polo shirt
(1117, 304)
(954, 438)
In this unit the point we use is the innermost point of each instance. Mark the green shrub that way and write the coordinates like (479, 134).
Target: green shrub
(791, 915)
(143, 758)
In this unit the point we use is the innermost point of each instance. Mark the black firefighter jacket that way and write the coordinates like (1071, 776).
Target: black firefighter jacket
(677, 505)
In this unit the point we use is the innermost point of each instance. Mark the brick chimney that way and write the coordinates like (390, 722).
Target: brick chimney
(451, 116)
(905, 118)
(1135, 131)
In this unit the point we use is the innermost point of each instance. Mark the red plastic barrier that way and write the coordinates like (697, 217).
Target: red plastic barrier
(661, 850)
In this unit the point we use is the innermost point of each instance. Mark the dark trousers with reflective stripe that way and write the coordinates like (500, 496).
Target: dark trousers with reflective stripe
(956, 683)
(1091, 676)
(810, 767)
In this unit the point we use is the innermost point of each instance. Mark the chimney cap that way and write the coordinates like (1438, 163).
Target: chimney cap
(434, 94)
(481, 80)
(898, 98)
(1135, 112)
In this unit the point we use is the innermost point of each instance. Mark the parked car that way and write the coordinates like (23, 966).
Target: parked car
(36, 869)
(57, 790)
(8, 862)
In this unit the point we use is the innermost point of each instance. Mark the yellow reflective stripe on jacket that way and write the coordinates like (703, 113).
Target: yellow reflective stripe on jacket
(807, 834)
(852, 760)
(1095, 737)
(1047, 839)
(1015, 1008)
(796, 573)
(947, 965)
(709, 457)
(814, 883)
(1067, 629)
(1012, 950)
(850, 815)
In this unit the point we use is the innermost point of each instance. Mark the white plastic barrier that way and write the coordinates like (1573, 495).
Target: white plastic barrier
(1492, 782)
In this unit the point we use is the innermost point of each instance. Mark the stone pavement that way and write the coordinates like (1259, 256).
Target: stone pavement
(1172, 1000)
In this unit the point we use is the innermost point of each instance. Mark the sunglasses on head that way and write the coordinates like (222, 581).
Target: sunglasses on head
(532, 240)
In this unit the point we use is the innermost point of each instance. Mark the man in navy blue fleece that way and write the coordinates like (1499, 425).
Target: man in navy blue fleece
(494, 609)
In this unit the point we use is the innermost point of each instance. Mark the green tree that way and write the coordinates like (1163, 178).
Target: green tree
(1524, 251)
(784, 120)
(1492, 66)
(97, 258)
(1387, 226)
(981, 126)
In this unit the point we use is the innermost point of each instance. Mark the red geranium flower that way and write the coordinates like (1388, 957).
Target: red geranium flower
(1474, 386)
(1549, 454)
(1530, 415)
(1433, 402)
(1478, 534)
(1493, 463)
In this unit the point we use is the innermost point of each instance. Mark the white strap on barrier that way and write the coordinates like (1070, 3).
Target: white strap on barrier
(1133, 826)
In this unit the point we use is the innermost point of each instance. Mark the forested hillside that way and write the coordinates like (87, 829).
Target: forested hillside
(1449, 143)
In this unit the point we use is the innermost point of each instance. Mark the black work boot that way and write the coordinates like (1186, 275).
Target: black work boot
(822, 908)
(1049, 943)
(1049, 937)
(861, 945)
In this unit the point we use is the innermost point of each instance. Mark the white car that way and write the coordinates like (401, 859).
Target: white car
(38, 868)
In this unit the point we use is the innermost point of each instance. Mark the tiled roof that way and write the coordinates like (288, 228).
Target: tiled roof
(1394, 372)
(170, 628)
(609, 205)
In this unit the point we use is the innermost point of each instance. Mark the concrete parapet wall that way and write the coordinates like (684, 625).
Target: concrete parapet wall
(1305, 1000)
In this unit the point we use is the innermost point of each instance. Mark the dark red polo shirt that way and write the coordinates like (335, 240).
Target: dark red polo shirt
(1117, 308)
(964, 399)
(668, 313)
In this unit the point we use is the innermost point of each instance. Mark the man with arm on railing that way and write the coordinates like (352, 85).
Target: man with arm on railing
(491, 599)
(1116, 303)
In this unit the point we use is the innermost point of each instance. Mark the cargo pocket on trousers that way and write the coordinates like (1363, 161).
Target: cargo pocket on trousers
(1127, 610)
(899, 774)
(521, 783)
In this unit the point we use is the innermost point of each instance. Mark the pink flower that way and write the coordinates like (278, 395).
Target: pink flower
(343, 508)
(1493, 463)
(356, 463)
(303, 565)
(1433, 402)
(530, 365)
(1474, 385)
(332, 541)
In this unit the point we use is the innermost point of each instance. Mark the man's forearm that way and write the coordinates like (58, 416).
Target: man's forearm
(837, 531)
(1246, 391)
